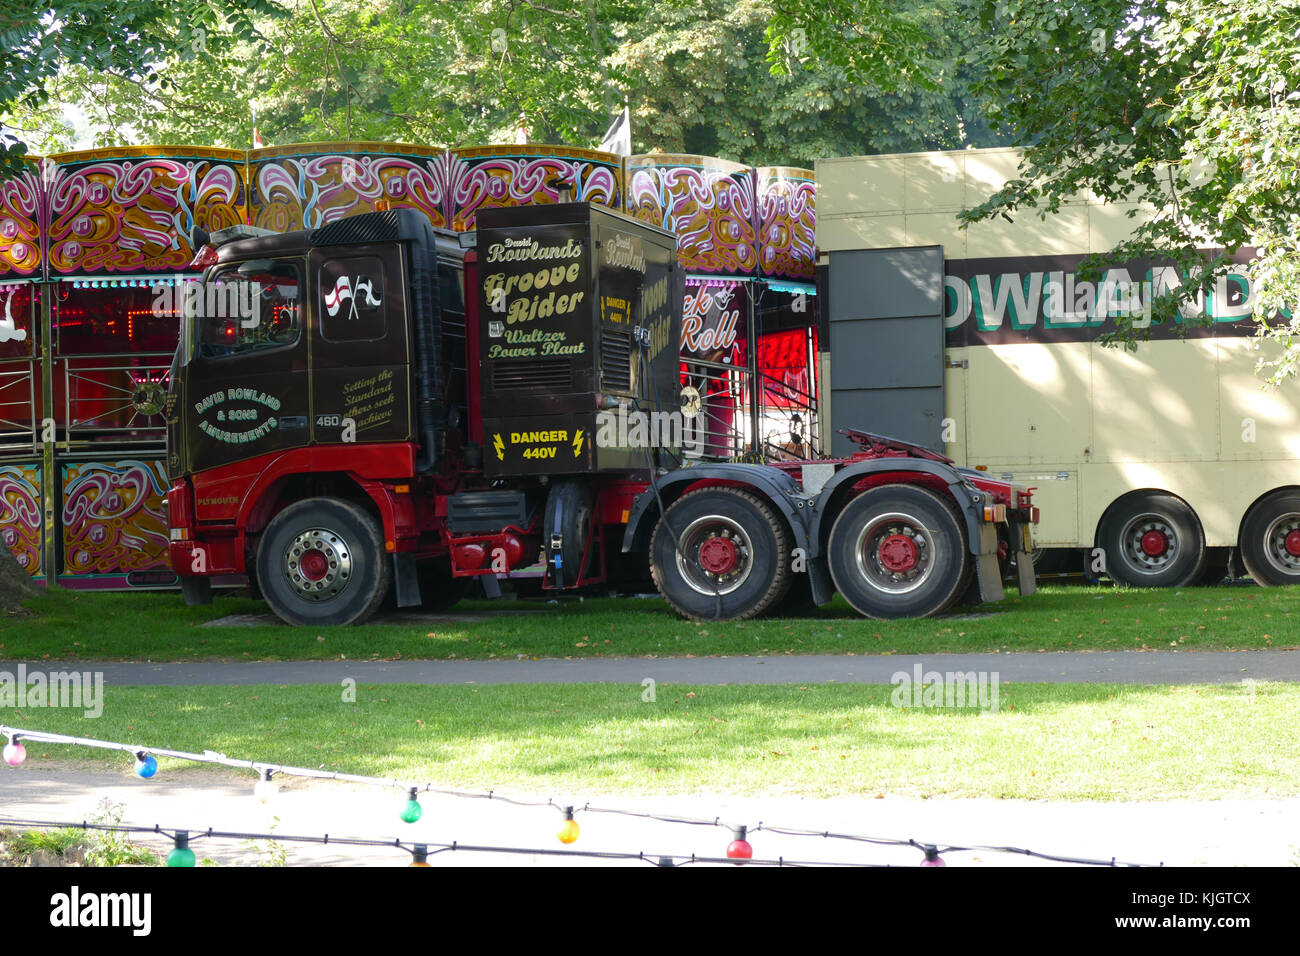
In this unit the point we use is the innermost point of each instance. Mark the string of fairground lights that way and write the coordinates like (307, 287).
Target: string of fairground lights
(182, 856)
(146, 766)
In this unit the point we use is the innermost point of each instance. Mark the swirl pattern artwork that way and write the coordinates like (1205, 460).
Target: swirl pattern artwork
(303, 192)
(135, 215)
(20, 224)
(113, 520)
(490, 178)
(20, 514)
(709, 206)
(787, 222)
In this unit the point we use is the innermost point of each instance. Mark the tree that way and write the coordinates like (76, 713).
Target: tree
(1191, 107)
(439, 72)
(131, 38)
(702, 83)
(450, 73)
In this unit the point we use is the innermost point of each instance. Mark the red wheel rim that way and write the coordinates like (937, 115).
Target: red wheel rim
(718, 555)
(898, 553)
(1155, 543)
(1292, 543)
(314, 565)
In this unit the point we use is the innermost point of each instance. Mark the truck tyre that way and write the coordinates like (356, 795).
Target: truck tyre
(734, 558)
(1152, 541)
(1270, 540)
(322, 562)
(899, 551)
(568, 514)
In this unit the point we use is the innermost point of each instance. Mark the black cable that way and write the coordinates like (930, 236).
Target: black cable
(409, 845)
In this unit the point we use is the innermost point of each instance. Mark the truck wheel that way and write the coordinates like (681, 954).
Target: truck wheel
(899, 551)
(568, 514)
(1152, 541)
(322, 562)
(734, 560)
(1270, 540)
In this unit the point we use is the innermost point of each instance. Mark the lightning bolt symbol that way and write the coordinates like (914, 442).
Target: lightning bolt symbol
(499, 446)
(577, 443)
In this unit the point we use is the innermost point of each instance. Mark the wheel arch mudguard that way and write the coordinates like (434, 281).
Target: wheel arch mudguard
(982, 537)
(364, 466)
(772, 484)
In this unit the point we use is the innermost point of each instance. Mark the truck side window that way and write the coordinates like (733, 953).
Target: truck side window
(352, 306)
(237, 313)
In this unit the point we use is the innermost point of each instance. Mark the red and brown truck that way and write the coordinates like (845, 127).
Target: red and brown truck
(378, 410)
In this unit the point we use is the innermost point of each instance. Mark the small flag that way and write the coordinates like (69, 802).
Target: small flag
(618, 138)
(257, 137)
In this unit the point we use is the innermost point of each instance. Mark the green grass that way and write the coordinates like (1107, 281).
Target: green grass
(71, 625)
(1060, 741)
(85, 847)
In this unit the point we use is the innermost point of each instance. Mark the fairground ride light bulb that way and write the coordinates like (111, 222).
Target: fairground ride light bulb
(569, 829)
(265, 789)
(932, 857)
(739, 848)
(146, 765)
(14, 754)
(412, 811)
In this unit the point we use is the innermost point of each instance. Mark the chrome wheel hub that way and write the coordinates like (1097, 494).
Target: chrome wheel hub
(318, 564)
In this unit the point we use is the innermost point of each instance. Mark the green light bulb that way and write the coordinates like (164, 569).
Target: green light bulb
(182, 855)
(413, 811)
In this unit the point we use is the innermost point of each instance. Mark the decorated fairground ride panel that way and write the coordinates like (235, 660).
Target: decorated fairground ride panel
(131, 209)
(787, 223)
(302, 187)
(88, 239)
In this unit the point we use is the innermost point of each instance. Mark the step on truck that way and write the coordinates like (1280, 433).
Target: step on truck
(378, 412)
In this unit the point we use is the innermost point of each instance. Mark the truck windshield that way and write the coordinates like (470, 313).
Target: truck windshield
(244, 307)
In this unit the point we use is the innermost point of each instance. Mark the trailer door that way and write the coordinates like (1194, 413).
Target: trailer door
(885, 313)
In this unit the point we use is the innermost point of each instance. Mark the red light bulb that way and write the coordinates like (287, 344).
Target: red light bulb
(739, 848)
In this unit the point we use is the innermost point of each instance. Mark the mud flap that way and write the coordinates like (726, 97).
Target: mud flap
(1027, 580)
(987, 567)
(196, 591)
(1026, 574)
(819, 577)
(406, 580)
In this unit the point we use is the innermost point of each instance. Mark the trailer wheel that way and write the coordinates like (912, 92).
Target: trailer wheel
(1152, 541)
(322, 562)
(1270, 540)
(899, 551)
(734, 560)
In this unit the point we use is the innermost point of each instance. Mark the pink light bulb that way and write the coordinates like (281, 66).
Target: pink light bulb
(14, 754)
